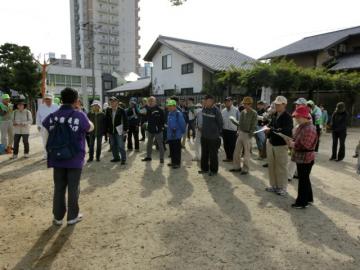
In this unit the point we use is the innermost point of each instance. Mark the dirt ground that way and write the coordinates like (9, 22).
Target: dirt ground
(146, 216)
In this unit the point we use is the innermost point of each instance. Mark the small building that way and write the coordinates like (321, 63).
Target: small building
(183, 67)
(60, 76)
(337, 50)
(138, 88)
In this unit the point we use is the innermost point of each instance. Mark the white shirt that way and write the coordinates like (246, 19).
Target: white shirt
(227, 124)
(43, 112)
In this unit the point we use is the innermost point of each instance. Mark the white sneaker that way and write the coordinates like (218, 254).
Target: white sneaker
(26, 155)
(57, 222)
(14, 157)
(75, 220)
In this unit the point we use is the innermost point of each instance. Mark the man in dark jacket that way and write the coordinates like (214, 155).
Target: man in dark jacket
(210, 137)
(156, 120)
(338, 125)
(97, 117)
(116, 127)
(277, 148)
(133, 115)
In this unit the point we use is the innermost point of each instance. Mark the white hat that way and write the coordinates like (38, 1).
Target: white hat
(48, 96)
(280, 100)
(96, 102)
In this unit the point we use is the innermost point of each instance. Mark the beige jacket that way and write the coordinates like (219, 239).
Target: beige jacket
(22, 121)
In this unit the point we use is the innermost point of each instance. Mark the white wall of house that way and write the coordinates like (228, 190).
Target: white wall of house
(169, 78)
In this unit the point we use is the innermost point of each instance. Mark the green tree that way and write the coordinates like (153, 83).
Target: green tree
(177, 2)
(19, 71)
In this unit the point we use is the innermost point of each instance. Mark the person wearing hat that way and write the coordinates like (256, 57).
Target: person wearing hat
(44, 111)
(133, 115)
(229, 132)
(116, 127)
(316, 117)
(22, 120)
(176, 128)
(247, 127)
(212, 124)
(97, 117)
(303, 155)
(155, 118)
(300, 101)
(277, 148)
(291, 164)
(6, 125)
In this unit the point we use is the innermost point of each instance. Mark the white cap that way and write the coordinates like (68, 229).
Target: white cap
(48, 96)
(96, 102)
(280, 100)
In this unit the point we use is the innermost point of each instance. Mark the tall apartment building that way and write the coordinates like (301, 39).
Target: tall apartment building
(111, 29)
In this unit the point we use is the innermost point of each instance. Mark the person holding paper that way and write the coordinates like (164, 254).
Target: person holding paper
(116, 127)
(304, 145)
(247, 126)
(277, 148)
(229, 133)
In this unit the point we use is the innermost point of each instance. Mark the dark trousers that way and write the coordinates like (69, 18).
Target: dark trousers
(133, 132)
(191, 126)
(338, 136)
(229, 138)
(305, 194)
(92, 139)
(209, 154)
(25, 138)
(66, 179)
(175, 151)
(143, 131)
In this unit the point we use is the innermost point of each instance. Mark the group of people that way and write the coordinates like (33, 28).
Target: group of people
(278, 135)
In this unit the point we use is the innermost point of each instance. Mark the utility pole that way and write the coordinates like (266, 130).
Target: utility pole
(91, 48)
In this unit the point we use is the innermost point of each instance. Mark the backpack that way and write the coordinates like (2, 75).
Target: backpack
(61, 144)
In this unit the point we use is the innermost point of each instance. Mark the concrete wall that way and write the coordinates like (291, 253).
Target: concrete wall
(167, 79)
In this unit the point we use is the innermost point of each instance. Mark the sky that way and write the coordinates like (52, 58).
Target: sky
(253, 27)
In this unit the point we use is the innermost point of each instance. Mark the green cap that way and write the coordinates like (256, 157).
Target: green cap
(5, 96)
(170, 102)
(310, 102)
(57, 101)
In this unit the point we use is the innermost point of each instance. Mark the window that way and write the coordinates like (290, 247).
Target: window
(76, 81)
(166, 61)
(107, 85)
(89, 81)
(68, 80)
(169, 92)
(60, 79)
(50, 79)
(187, 68)
(187, 91)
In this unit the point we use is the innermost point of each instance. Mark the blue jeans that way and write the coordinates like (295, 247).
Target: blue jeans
(118, 146)
(260, 139)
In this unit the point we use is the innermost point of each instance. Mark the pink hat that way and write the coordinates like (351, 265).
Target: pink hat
(302, 112)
